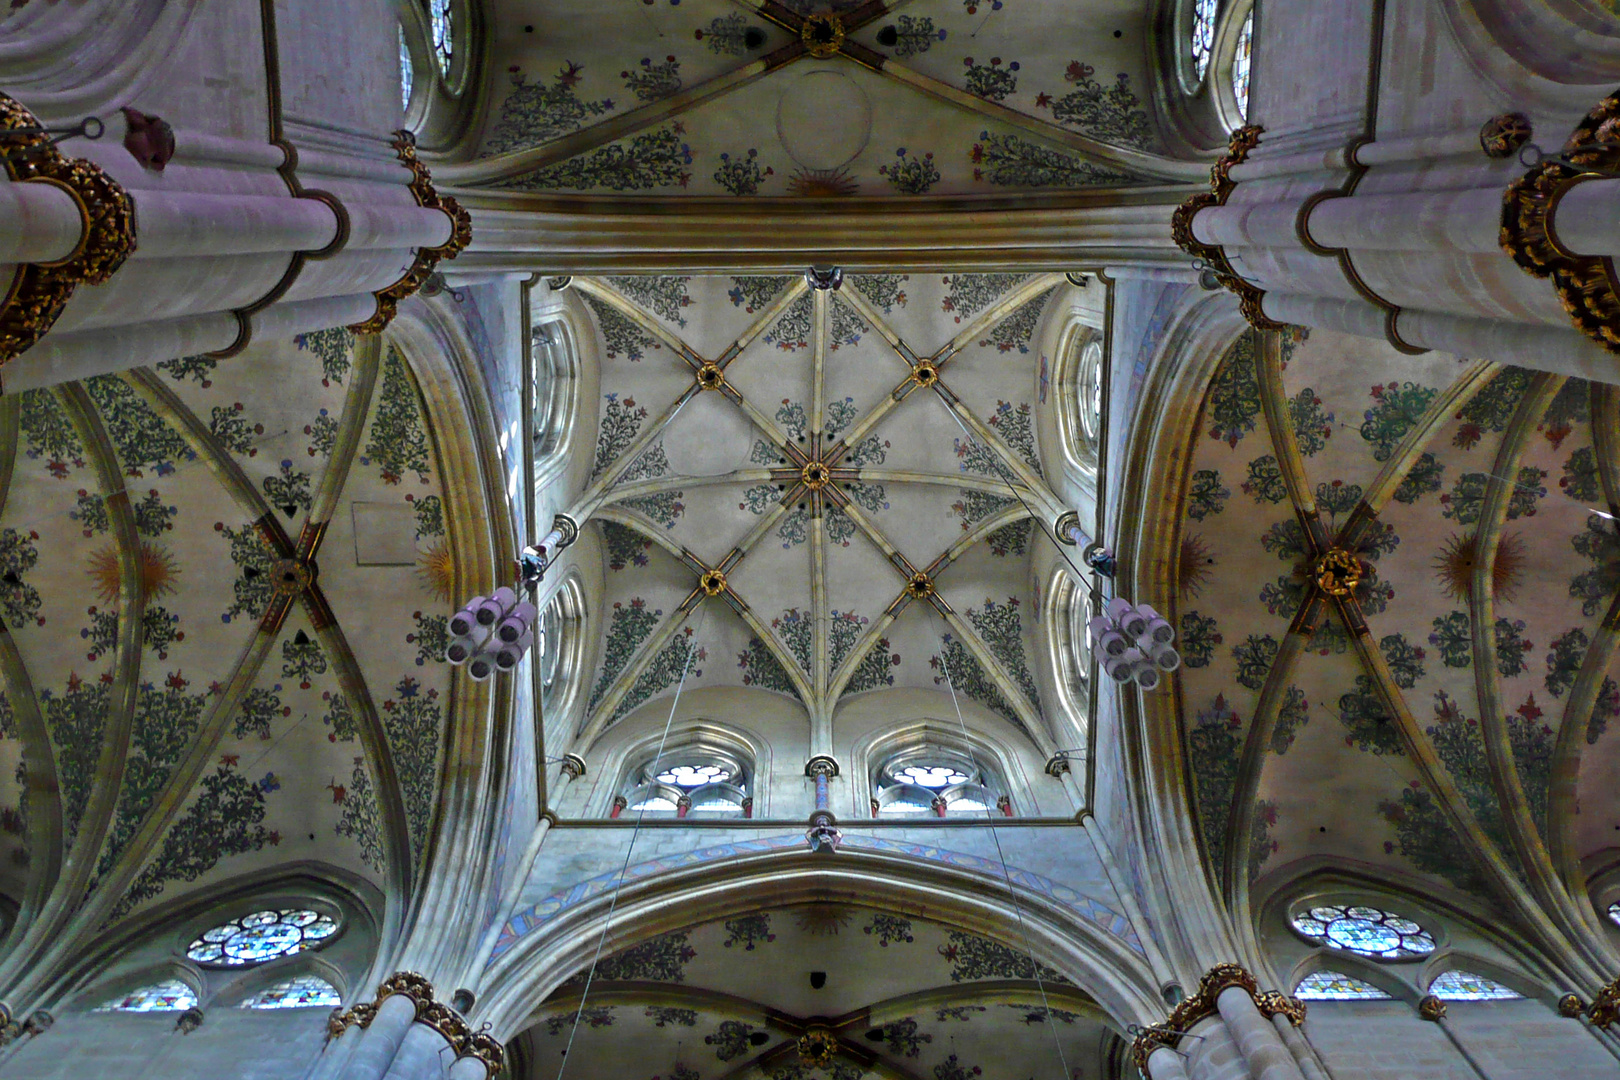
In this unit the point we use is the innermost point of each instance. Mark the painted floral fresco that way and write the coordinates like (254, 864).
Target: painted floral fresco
(1483, 568)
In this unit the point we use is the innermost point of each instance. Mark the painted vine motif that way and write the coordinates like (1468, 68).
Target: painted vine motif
(1109, 113)
(144, 439)
(1007, 160)
(677, 659)
(910, 36)
(652, 159)
(1213, 751)
(621, 335)
(1016, 330)
(664, 295)
(333, 347)
(226, 423)
(1197, 640)
(1206, 495)
(660, 959)
(748, 931)
(1396, 409)
(360, 819)
(167, 719)
(537, 112)
(19, 601)
(226, 818)
(761, 668)
(76, 719)
(990, 81)
(1492, 407)
(398, 440)
(959, 669)
(883, 291)
(1234, 397)
(253, 557)
(49, 434)
(1293, 714)
(730, 1039)
(628, 626)
(911, 175)
(973, 957)
(653, 81)
(742, 176)
(412, 721)
(1002, 631)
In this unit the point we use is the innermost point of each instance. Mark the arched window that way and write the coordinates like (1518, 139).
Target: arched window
(1459, 985)
(407, 71)
(696, 781)
(1240, 64)
(937, 781)
(298, 992)
(1614, 913)
(442, 21)
(1336, 986)
(1090, 382)
(1203, 35)
(170, 995)
(261, 937)
(1368, 931)
(548, 643)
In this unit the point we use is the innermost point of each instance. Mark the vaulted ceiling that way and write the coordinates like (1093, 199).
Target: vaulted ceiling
(901, 998)
(792, 99)
(1417, 727)
(222, 635)
(864, 477)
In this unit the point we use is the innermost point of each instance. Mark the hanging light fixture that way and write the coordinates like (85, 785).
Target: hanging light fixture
(1135, 642)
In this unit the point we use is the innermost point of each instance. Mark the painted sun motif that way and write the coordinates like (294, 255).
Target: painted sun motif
(1454, 566)
(436, 570)
(822, 920)
(821, 183)
(157, 569)
(1193, 567)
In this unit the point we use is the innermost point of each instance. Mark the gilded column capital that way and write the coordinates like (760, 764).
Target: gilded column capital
(821, 765)
(443, 1018)
(1204, 1004)
(1585, 285)
(1605, 1007)
(427, 258)
(39, 291)
(1431, 1008)
(1221, 184)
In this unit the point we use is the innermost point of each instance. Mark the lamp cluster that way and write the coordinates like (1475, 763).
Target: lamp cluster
(1135, 643)
(491, 633)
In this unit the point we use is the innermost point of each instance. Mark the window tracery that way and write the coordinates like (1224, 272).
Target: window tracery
(298, 992)
(934, 781)
(1459, 985)
(261, 936)
(1203, 35)
(441, 20)
(695, 780)
(1367, 931)
(1241, 56)
(1614, 913)
(170, 995)
(407, 71)
(1336, 986)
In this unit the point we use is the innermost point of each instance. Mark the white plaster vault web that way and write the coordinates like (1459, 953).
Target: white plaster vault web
(851, 442)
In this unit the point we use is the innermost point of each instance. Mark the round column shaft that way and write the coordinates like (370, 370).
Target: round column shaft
(39, 223)
(1586, 220)
(1262, 1048)
(380, 1042)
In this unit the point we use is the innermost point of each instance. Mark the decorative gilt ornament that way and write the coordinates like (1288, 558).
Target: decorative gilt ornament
(1275, 1002)
(1605, 1008)
(428, 257)
(1503, 135)
(573, 766)
(815, 475)
(710, 377)
(821, 765)
(925, 374)
(1058, 765)
(822, 34)
(1432, 1008)
(1571, 1006)
(39, 291)
(435, 1014)
(1201, 1006)
(1338, 572)
(1586, 286)
(817, 1047)
(920, 586)
(1244, 139)
(712, 582)
(289, 577)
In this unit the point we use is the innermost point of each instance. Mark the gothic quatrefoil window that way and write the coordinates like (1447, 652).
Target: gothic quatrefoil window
(261, 937)
(933, 782)
(702, 782)
(1368, 931)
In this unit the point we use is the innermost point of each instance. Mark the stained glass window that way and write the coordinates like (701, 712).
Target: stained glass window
(691, 776)
(1203, 35)
(1091, 390)
(910, 783)
(407, 74)
(1240, 65)
(1614, 913)
(1456, 985)
(1369, 931)
(261, 937)
(443, 32)
(299, 992)
(170, 995)
(1335, 986)
(549, 642)
(655, 804)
